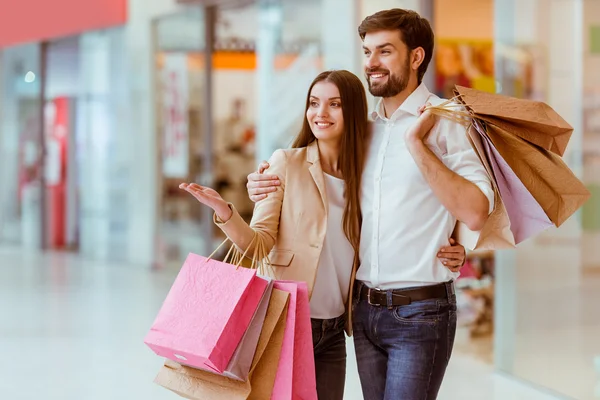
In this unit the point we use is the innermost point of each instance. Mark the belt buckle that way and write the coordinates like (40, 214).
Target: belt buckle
(369, 297)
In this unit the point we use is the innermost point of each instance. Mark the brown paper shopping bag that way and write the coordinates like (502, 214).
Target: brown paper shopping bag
(262, 375)
(195, 384)
(544, 174)
(533, 121)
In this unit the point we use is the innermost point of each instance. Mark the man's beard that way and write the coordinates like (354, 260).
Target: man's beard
(393, 86)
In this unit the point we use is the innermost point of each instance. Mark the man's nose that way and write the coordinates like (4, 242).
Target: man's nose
(372, 62)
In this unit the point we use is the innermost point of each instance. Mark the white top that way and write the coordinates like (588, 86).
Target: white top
(335, 265)
(404, 223)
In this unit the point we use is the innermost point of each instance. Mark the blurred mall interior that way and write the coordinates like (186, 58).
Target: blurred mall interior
(107, 105)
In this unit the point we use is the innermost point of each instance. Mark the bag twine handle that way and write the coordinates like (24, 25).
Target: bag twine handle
(266, 268)
(449, 109)
(260, 258)
(234, 253)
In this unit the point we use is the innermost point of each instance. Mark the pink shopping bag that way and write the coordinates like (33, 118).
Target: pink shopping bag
(206, 313)
(295, 377)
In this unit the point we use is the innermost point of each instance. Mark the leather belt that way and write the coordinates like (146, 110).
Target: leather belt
(403, 297)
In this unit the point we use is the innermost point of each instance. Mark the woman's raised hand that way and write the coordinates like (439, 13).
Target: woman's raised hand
(209, 197)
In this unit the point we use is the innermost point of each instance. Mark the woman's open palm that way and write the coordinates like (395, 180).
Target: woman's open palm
(205, 195)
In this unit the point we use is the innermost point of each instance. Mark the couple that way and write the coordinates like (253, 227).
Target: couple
(361, 216)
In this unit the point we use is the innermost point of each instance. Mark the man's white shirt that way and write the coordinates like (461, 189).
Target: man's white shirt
(404, 224)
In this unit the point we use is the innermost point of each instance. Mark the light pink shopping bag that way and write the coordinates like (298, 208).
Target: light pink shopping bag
(296, 372)
(527, 217)
(206, 313)
(241, 361)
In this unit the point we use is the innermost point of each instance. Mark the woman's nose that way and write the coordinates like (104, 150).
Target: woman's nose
(323, 111)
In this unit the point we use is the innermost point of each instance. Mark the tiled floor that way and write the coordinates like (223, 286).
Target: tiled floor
(71, 329)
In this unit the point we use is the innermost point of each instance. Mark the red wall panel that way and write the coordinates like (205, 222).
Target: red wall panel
(34, 20)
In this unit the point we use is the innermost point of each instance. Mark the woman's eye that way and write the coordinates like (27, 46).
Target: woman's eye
(335, 104)
(314, 104)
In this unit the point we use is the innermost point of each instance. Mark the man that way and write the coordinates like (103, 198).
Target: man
(416, 186)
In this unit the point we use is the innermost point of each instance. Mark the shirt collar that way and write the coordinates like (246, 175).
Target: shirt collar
(411, 105)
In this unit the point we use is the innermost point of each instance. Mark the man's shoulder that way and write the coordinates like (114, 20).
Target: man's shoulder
(435, 100)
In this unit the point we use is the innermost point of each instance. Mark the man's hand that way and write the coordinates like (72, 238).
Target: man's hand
(453, 257)
(421, 128)
(259, 185)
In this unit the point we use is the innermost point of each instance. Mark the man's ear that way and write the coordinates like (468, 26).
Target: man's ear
(417, 57)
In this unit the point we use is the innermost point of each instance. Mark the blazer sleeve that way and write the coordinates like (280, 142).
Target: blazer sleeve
(265, 220)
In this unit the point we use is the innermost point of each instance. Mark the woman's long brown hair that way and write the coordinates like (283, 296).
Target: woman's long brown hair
(353, 146)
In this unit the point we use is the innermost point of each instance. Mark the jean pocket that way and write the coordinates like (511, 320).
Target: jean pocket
(422, 312)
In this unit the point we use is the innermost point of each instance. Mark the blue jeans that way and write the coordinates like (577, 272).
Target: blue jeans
(402, 352)
(329, 343)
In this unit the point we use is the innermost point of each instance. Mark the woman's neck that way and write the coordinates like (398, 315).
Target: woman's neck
(329, 154)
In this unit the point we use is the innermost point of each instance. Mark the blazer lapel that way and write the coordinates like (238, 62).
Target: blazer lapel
(317, 172)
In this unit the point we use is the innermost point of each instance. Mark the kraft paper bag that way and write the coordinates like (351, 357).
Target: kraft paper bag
(527, 218)
(196, 384)
(206, 313)
(533, 121)
(296, 376)
(268, 353)
(544, 174)
(496, 233)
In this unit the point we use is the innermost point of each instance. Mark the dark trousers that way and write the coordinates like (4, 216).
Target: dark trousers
(329, 342)
(402, 352)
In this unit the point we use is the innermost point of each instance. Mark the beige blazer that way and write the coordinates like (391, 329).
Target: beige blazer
(291, 223)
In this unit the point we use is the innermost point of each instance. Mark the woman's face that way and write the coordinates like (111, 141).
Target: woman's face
(324, 114)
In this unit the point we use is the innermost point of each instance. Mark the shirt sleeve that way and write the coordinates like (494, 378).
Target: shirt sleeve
(459, 156)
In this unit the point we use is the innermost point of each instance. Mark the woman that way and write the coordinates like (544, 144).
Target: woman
(311, 224)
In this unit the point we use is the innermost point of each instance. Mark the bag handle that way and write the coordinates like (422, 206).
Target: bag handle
(266, 267)
(449, 109)
(260, 259)
(233, 252)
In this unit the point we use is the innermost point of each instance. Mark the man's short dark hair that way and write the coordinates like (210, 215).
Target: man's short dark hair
(415, 31)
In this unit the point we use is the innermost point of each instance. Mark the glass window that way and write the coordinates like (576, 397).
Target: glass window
(547, 292)
(20, 139)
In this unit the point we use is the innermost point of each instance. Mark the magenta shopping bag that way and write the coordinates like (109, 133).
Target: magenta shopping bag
(527, 217)
(295, 377)
(206, 313)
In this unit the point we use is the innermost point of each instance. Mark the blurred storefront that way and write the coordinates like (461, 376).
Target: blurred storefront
(180, 91)
(61, 95)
